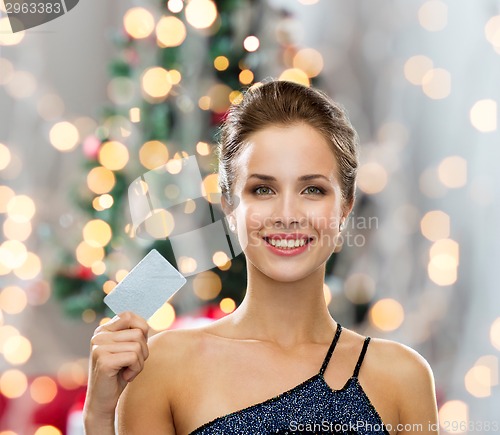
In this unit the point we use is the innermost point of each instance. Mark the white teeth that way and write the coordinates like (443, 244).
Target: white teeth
(287, 244)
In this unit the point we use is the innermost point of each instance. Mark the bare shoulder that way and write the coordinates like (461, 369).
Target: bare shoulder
(165, 370)
(400, 360)
(412, 379)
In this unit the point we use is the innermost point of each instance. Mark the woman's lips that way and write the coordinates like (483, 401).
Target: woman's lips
(287, 251)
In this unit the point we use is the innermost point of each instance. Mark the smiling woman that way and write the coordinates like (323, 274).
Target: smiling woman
(279, 363)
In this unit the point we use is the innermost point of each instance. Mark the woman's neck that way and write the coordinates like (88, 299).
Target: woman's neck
(285, 313)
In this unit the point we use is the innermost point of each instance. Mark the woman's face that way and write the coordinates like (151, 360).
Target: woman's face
(287, 188)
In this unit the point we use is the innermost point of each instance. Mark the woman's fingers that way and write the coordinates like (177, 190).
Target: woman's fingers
(127, 335)
(125, 320)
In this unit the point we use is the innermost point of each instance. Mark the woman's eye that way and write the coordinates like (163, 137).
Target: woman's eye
(262, 190)
(315, 190)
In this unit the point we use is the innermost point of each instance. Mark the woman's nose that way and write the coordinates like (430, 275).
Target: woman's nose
(288, 209)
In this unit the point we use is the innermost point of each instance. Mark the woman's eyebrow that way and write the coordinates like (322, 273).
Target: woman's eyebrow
(301, 178)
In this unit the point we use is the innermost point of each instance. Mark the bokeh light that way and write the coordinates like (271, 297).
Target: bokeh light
(100, 180)
(416, 67)
(436, 83)
(156, 82)
(16, 230)
(443, 263)
(454, 416)
(483, 114)
(16, 350)
(43, 389)
(21, 208)
(201, 13)
(163, 318)
(6, 35)
(251, 43)
(452, 172)
(387, 314)
(433, 15)
(295, 75)
(221, 63)
(227, 305)
(64, 136)
(97, 233)
(5, 156)
(6, 194)
(13, 383)
(113, 155)
(435, 225)
(138, 22)
(87, 254)
(153, 154)
(308, 60)
(13, 300)
(170, 32)
(372, 178)
(207, 285)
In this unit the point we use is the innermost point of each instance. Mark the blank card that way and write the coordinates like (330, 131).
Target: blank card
(146, 287)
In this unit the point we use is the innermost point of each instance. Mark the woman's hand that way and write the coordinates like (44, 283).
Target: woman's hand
(118, 350)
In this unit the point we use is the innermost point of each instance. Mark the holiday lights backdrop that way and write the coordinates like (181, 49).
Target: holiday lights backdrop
(86, 109)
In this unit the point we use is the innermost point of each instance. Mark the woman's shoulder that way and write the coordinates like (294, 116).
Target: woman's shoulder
(403, 364)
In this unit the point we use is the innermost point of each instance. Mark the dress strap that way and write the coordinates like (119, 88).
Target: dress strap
(331, 348)
(361, 356)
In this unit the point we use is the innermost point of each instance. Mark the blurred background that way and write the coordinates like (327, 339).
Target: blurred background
(111, 90)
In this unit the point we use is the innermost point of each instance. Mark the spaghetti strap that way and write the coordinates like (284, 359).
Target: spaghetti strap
(330, 349)
(361, 356)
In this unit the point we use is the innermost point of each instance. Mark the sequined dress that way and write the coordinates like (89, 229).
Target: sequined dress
(312, 407)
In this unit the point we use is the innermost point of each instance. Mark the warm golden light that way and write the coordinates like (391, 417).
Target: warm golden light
(387, 314)
(207, 285)
(135, 114)
(13, 383)
(455, 412)
(201, 13)
(372, 178)
(113, 155)
(436, 83)
(138, 22)
(48, 430)
(435, 225)
(108, 286)
(175, 76)
(219, 97)
(170, 32)
(251, 43)
(120, 274)
(452, 172)
(72, 375)
(21, 208)
(187, 265)
(433, 15)
(235, 97)
(98, 268)
(64, 136)
(210, 188)
(13, 253)
(160, 224)
(5, 156)
(163, 318)
(246, 77)
(202, 148)
(478, 381)
(31, 267)
(88, 315)
(156, 82)
(204, 102)
(43, 389)
(6, 35)
(492, 32)
(484, 114)
(100, 180)
(16, 230)
(153, 154)
(97, 233)
(6, 194)
(221, 63)
(308, 60)
(416, 67)
(87, 254)
(220, 258)
(227, 305)
(106, 201)
(13, 300)
(175, 6)
(444, 260)
(295, 75)
(495, 333)
(17, 350)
